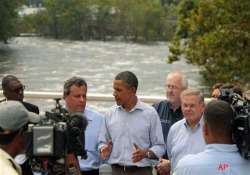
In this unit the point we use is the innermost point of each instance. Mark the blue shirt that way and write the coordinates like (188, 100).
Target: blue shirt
(183, 140)
(95, 121)
(141, 126)
(216, 159)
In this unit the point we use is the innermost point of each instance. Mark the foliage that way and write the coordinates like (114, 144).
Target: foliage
(138, 20)
(34, 23)
(8, 15)
(215, 34)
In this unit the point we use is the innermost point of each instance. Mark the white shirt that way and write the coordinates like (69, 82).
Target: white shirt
(216, 159)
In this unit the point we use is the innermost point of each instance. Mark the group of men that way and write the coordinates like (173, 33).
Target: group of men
(180, 135)
(74, 94)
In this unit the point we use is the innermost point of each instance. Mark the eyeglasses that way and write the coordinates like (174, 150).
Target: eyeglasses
(171, 87)
(18, 89)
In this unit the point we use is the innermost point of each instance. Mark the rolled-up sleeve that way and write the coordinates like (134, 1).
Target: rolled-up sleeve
(104, 135)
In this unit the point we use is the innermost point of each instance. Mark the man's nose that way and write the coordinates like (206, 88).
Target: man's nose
(82, 99)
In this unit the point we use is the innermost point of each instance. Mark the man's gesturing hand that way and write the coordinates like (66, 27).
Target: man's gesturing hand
(138, 154)
(106, 150)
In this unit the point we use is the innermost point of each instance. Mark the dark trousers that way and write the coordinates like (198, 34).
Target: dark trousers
(91, 172)
(130, 170)
(26, 168)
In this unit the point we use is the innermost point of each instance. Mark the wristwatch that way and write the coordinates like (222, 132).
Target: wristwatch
(149, 154)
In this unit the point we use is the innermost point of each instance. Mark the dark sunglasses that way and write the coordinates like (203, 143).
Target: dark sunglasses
(18, 89)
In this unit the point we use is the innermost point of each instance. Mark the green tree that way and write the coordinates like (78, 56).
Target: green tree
(8, 16)
(217, 38)
(137, 20)
(34, 23)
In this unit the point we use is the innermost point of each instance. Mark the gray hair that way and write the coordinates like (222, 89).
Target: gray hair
(184, 81)
(77, 81)
(129, 78)
(194, 92)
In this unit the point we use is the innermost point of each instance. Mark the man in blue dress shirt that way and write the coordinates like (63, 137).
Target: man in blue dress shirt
(185, 136)
(131, 134)
(75, 96)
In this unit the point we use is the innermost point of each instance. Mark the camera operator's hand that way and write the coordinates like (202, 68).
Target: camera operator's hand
(106, 150)
(138, 154)
(56, 167)
(163, 168)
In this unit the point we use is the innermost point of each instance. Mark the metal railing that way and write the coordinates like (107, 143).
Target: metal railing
(90, 96)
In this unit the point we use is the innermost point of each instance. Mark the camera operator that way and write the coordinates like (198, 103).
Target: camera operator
(75, 96)
(216, 90)
(221, 155)
(13, 121)
(218, 87)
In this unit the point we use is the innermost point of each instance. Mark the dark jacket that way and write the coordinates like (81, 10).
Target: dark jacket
(168, 117)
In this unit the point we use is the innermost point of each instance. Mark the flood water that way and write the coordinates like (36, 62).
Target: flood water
(44, 64)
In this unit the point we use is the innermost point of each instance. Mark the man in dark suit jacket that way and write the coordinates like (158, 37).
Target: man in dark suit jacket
(13, 90)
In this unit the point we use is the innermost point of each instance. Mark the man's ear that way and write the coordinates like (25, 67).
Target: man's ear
(205, 130)
(207, 135)
(133, 89)
(64, 97)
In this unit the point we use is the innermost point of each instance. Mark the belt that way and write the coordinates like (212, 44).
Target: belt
(127, 167)
(90, 172)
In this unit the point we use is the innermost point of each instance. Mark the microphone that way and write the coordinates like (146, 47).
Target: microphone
(77, 126)
(77, 119)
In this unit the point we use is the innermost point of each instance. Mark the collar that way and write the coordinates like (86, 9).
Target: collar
(3, 100)
(86, 114)
(222, 147)
(198, 125)
(138, 106)
(171, 107)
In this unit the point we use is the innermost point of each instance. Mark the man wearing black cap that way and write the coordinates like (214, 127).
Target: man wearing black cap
(13, 121)
(13, 90)
(220, 156)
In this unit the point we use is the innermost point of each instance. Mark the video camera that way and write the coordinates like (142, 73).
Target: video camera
(57, 135)
(241, 123)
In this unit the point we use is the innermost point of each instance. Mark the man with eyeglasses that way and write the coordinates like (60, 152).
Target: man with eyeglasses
(169, 110)
(185, 136)
(13, 90)
(13, 123)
